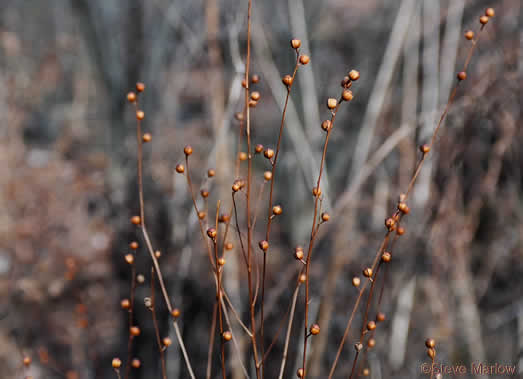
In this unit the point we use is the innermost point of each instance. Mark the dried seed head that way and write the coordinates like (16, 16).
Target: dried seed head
(135, 363)
(356, 281)
(267, 175)
(303, 278)
(380, 317)
(371, 343)
(187, 150)
(483, 20)
(252, 103)
(430, 343)
(298, 253)
(354, 75)
(462, 75)
(489, 12)
(238, 116)
(268, 153)
(358, 346)
(147, 137)
(117, 363)
(221, 261)
(403, 207)
(134, 330)
(325, 217)
(244, 83)
(255, 96)
(277, 210)
(304, 59)
(316, 191)
(157, 253)
(347, 95)
(424, 148)
(175, 313)
(367, 272)
(224, 217)
(242, 156)
(180, 168)
(402, 197)
(229, 246)
(255, 78)
(366, 372)
(371, 325)
(345, 82)
(140, 115)
(136, 220)
(133, 245)
(227, 335)
(167, 341)
(131, 97)
(331, 103)
(147, 301)
(264, 245)
(204, 193)
(258, 148)
(27, 360)
(400, 231)
(390, 224)
(295, 43)
(315, 329)
(469, 34)
(236, 186)
(125, 304)
(386, 257)
(326, 125)
(300, 373)
(211, 172)
(287, 80)
(211, 232)
(431, 353)
(140, 278)
(140, 87)
(129, 258)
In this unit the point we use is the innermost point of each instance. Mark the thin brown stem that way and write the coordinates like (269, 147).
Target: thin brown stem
(219, 291)
(130, 314)
(211, 342)
(161, 348)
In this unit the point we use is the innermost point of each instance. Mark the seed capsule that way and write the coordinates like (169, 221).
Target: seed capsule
(331, 103)
(27, 361)
(129, 258)
(134, 330)
(365, 372)
(371, 343)
(255, 78)
(221, 261)
(371, 325)
(140, 87)
(386, 257)
(227, 335)
(380, 317)
(316, 191)
(125, 304)
(300, 373)
(212, 233)
(180, 168)
(462, 75)
(255, 96)
(229, 246)
(140, 115)
(347, 95)
(295, 43)
(403, 207)
(131, 97)
(356, 281)
(133, 245)
(430, 343)
(469, 34)
(390, 224)
(204, 193)
(238, 116)
(354, 75)
(325, 217)
(242, 156)
(367, 272)
(277, 210)
(267, 175)
(135, 363)
(489, 12)
(326, 125)
(264, 245)
(424, 148)
(483, 20)
(136, 220)
(268, 153)
(287, 80)
(167, 341)
(147, 138)
(117, 363)
(304, 59)
(187, 150)
(400, 231)
(175, 313)
(315, 329)
(303, 278)
(258, 148)
(298, 254)
(211, 172)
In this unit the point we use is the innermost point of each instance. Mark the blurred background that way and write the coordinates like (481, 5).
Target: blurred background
(68, 179)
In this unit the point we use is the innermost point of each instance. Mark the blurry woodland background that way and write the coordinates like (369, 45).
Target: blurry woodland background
(68, 176)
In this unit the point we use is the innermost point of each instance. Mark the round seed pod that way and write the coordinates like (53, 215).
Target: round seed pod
(304, 59)
(295, 43)
(264, 245)
(380, 317)
(315, 329)
(371, 343)
(228, 246)
(371, 325)
(116, 363)
(134, 331)
(325, 217)
(204, 193)
(255, 79)
(140, 87)
(366, 372)
(316, 191)
(140, 115)
(356, 281)
(403, 207)
(483, 20)
(300, 373)
(287, 80)
(462, 75)
(175, 313)
(255, 96)
(180, 168)
(332, 103)
(267, 175)
(258, 148)
(354, 75)
(326, 125)
(430, 343)
(238, 116)
(469, 34)
(133, 245)
(303, 278)
(135, 363)
(212, 233)
(347, 95)
(131, 97)
(424, 148)
(125, 304)
(489, 12)
(221, 261)
(386, 257)
(129, 258)
(211, 172)
(242, 156)
(167, 341)
(188, 150)
(147, 138)
(268, 153)
(367, 272)
(27, 360)
(227, 335)
(400, 230)
(136, 220)
(390, 223)
(277, 210)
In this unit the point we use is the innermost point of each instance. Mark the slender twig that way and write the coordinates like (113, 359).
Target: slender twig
(161, 348)
(288, 335)
(219, 291)
(211, 342)
(130, 314)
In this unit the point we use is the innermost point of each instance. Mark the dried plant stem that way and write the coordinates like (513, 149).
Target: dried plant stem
(130, 314)
(211, 342)
(271, 194)
(397, 214)
(151, 250)
(313, 237)
(219, 292)
(117, 373)
(161, 348)
(288, 335)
